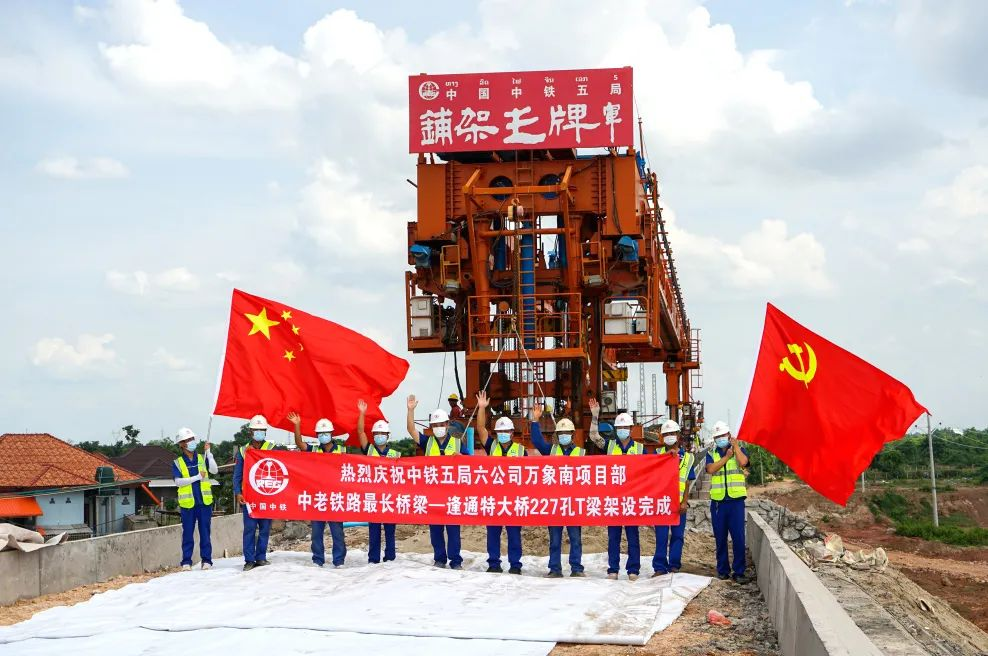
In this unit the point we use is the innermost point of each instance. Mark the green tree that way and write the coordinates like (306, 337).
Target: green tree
(130, 434)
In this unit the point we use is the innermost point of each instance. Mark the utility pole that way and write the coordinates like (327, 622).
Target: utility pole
(933, 472)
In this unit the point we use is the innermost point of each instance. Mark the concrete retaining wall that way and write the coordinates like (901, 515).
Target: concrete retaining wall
(789, 525)
(69, 565)
(807, 617)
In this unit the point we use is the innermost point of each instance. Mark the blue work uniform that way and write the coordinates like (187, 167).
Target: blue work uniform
(200, 513)
(727, 519)
(256, 531)
(445, 538)
(669, 552)
(335, 528)
(494, 449)
(556, 532)
(374, 528)
(633, 564)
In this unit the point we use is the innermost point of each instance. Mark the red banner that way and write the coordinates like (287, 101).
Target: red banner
(590, 108)
(531, 491)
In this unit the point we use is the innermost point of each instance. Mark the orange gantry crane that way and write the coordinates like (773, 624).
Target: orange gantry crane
(548, 270)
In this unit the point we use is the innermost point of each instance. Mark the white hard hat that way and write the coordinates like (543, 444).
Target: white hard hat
(721, 428)
(258, 422)
(381, 426)
(623, 420)
(565, 426)
(184, 434)
(438, 416)
(504, 424)
(324, 426)
(670, 426)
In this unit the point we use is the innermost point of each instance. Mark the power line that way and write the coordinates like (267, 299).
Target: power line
(966, 446)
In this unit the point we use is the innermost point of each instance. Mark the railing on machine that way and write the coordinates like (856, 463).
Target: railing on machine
(539, 325)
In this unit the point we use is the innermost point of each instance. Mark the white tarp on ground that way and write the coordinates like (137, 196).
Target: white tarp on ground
(23, 539)
(403, 607)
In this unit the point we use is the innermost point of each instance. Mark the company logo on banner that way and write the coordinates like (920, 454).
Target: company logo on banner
(592, 108)
(531, 491)
(268, 476)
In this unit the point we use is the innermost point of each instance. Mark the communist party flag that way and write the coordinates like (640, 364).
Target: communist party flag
(823, 411)
(279, 360)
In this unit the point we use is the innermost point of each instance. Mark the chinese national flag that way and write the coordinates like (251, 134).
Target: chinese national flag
(823, 411)
(279, 360)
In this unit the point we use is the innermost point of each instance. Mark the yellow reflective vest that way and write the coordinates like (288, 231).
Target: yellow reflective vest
(267, 446)
(186, 499)
(685, 465)
(516, 449)
(614, 449)
(557, 450)
(727, 481)
(373, 452)
(334, 448)
(432, 447)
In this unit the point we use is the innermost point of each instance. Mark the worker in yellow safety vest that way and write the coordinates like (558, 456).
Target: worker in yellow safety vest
(725, 465)
(622, 445)
(562, 446)
(381, 433)
(191, 472)
(669, 552)
(445, 538)
(256, 531)
(333, 443)
(503, 446)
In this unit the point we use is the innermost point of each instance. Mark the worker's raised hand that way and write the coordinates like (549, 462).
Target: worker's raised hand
(362, 406)
(594, 407)
(412, 402)
(537, 412)
(482, 400)
(294, 418)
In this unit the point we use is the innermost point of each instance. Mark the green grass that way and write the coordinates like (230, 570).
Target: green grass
(949, 534)
(891, 504)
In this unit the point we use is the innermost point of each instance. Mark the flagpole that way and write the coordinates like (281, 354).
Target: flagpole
(933, 472)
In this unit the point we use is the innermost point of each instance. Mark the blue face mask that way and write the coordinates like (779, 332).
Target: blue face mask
(623, 433)
(259, 435)
(722, 442)
(565, 439)
(381, 439)
(191, 445)
(325, 438)
(504, 438)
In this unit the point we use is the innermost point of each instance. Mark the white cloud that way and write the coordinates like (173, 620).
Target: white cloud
(346, 220)
(913, 245)
(765, 261)
(89, 357)
(177, 368)
(139, 283)
(179, 59)
(72, 168)
(965, 197)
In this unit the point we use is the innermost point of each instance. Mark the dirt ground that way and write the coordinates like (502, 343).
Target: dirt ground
(957, 575)
(751, 632)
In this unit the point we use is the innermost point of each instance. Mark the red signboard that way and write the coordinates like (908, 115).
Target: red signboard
(531, 491)
(520, 111)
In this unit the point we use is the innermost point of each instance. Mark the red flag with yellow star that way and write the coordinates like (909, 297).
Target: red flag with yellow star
(822, 410)
(280, 360)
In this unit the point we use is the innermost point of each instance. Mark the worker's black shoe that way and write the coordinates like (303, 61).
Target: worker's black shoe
(457, 567)
(742, 580)
(436, 563)
(554, 575)
(579, 575)
(514, 570)
(723, 577)
(495, 570)
(249, 566)
(262, 563)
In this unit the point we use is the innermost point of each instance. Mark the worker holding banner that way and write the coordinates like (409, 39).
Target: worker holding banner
(328, 443)
(379, 449)
(256, 531)
(669, 552)
(439, 443)
(622, 446)
(727, 494)
(563, 447)
(504, 446)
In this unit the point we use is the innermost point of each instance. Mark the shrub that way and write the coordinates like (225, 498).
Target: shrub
(962, 536)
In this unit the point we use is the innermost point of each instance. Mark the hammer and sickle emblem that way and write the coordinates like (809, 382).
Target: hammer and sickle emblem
(803, 374)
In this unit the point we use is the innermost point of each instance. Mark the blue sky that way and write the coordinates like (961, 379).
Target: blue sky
(830, 157)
